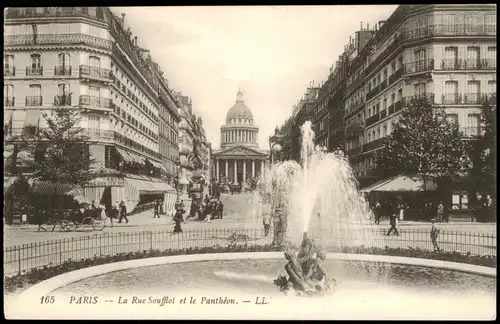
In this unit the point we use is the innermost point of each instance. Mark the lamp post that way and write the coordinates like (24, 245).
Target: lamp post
(275, 145)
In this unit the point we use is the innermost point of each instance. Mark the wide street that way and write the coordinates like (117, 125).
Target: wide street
(238, 213)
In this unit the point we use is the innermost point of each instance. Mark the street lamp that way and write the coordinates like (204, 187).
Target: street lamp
(275, 145)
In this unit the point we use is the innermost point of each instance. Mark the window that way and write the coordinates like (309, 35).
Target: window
(8, 64)
(473, 92)
(450, 61)
(473, 124)
(95, 92)
(8, 94)
(64, 60)
(35, 61)
(95, 62)
(473, 57)
(492, 87)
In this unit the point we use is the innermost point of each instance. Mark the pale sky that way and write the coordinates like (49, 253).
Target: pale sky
(271, 53)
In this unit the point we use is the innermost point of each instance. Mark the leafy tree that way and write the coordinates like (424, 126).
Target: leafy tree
(423, 145)
(483, 150)
(58, 153)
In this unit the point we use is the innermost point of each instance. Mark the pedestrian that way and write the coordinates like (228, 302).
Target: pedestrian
(440, 212)
(178, 220)
(123, 212)
(220, 207)
(103, 216)
(156, 211)
(266, 220)
(41, 217)
(161, 211)
(393, 218)
(377, 211)
(208, 211)
(434, 236)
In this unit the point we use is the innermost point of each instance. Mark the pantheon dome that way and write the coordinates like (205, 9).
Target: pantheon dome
(239, 129)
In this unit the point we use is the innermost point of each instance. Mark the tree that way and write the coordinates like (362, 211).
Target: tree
(58, 153)
(423, 145)
(483, 150)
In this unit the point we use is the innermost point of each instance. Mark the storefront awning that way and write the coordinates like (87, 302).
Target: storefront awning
(105, 182)
(53, 188)
(136, 158)
(400, 184)
(125, 155)
(149, 185)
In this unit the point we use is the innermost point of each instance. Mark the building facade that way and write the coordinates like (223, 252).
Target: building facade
(193, 146)
(85, 58)
(239, 159)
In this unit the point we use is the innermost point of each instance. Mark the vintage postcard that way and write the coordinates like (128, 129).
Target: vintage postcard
(250, 162)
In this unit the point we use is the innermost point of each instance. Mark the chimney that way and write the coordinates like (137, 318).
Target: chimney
(123, 19)
(361, 28)
(381, 23)
(135, 41)
(368, 26)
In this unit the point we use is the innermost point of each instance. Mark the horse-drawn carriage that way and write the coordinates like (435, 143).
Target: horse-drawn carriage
(70, 220)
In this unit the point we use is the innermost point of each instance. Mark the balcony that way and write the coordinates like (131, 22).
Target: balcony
(419, 66)
(373, 145)
(474, 98)
(93, 72)
(13, 13)
(9, 71)
(33, 101)
(62, 70)
(355, 128)
(427, 95)
(34, 70)
(395, 76)
(92, 101)
(373, 92)
(391, 109)
(58, 39)
(471, 131)
(97, 134)
(119, 138)
(479, 64)
(383, 114)
(452, 98)
(62, 100)
(372, 120)
(9, 101)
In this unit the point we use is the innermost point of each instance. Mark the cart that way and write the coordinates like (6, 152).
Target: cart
(89, 220)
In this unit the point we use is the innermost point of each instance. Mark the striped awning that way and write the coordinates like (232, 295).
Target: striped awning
(105, 182)
(32, 117)
(400, 184)
(149, 185)
(125, 155)
(137, 158)
(52, 188)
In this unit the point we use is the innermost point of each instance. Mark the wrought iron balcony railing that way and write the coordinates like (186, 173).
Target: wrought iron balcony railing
(58, 39)
(34, 101)
(452, 98)
(86, 100)
(9, 101)
(34, 70)
(95, 72)
(62, 100)
(378, 143)
(372, 120)
(62, 70)
(399, 105)
(474, 98)
(396, 75)
(419, 66)
(391, 109)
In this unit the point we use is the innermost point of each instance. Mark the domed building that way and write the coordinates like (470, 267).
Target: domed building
(239, 160)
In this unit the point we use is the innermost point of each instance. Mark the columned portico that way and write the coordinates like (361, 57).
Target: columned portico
(243, 161)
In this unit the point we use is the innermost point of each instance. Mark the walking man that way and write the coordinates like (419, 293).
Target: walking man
(156, 209)
(440, 212)
(434, 236)
(123, 212)
(393, 224)
(267, 223)
(377, 211)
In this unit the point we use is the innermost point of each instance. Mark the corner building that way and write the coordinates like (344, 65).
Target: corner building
(86, 58)
(445, 52)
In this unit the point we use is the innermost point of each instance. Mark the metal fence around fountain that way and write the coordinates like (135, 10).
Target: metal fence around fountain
(22, 258)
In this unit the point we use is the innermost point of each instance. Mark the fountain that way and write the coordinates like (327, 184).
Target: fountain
(319, 197)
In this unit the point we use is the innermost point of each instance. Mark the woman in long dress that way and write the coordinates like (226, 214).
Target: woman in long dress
(178, 220)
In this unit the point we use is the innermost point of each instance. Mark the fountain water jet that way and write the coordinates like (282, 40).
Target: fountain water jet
(319, 196)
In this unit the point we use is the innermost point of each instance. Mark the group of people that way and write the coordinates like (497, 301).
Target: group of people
(306, 272)
(212, 207)
(158, 208)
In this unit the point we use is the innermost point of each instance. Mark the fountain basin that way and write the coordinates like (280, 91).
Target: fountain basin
(414, 292)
